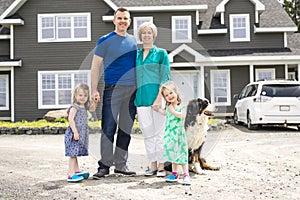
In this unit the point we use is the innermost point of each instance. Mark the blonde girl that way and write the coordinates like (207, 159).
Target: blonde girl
(77, 133)
(175, 141)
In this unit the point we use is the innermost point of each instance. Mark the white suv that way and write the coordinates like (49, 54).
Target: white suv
(274, 102)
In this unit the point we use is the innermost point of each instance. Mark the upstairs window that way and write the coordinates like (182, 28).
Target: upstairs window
(64, 27)
(181, 29)
(239, 28)
(137, 21)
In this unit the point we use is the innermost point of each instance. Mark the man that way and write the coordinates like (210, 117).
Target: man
(117, 52)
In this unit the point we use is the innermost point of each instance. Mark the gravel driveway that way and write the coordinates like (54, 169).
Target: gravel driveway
(254, 165)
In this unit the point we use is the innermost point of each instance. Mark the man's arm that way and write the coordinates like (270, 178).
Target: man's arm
(95, 69)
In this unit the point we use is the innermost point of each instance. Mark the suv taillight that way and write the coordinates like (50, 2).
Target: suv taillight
(262, 99)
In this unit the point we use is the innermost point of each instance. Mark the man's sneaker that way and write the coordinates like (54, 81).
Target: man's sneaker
(84, 174)
(74, 178)
(101, 173)
(186, 180)
(172, 178)
(124, 170)
(161, 173)
(150, 172)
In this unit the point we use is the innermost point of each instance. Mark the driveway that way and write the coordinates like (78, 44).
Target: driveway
(254, 165)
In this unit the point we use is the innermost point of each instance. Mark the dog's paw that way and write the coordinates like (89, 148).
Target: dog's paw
(198, 170)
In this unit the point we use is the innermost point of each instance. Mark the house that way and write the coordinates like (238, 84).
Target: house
(215, 47)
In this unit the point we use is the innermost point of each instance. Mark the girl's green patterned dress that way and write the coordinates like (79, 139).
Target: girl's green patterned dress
(175, 141)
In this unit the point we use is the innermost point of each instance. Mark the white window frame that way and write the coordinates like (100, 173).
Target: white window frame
(136, 26)
(56, 89)
(246, 28)
(189, 29)
(228, 88)
(72, 27)
(264, 70)
(6, 107)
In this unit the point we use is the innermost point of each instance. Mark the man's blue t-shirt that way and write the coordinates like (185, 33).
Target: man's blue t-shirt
(119, 54)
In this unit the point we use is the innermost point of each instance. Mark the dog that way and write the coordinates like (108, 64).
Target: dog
(196, 127)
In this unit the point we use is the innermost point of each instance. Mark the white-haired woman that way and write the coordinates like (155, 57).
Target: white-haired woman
(152, 70)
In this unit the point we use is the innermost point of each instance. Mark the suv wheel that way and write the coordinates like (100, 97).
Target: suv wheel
(250, 126)
(235, 118)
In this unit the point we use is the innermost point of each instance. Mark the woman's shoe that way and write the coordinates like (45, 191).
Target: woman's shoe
(186, 180)
(172, 178)
(150, 172)
(161, 173)
(74, 178)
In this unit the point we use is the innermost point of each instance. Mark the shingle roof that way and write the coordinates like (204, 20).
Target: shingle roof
(4, 4)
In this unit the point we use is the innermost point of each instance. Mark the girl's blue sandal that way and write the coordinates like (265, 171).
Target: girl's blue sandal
(84, 174)
(75, 178)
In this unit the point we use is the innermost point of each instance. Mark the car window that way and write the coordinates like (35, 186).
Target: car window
(252, 91)
(281, 90)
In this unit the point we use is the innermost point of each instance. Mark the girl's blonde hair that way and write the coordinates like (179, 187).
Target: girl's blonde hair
(170, 85)
(86, 89)
(147, 25)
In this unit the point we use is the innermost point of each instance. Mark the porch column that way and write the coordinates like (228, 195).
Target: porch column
(202, 82)
(286, 71)
(298, 72)
(251, 73)
(12, 93)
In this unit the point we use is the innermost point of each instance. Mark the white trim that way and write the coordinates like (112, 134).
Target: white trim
(107, 18)
(247, 28)
(111, 4)
(4, 37)
(167, 8)
(258, 6)
(5, 77)
(12, 40)
(298, 71)
(197, 17)
(12, 94)
(12, 21)
(198, 57)
(6, 119)
(202, 81)
(11, 63)
(285, 40)
(212, 31)
(189, 29)
(55, 39)
(274, 29)
(286, 71)
(12, 8)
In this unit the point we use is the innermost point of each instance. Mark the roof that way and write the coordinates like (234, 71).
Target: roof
(4, 4)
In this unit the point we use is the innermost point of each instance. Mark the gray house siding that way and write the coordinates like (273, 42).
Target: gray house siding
(4, 50)
(50, 56)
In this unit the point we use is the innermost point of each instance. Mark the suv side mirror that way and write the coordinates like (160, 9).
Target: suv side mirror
(236, 96)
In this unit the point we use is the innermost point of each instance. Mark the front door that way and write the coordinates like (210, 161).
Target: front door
(188, 84)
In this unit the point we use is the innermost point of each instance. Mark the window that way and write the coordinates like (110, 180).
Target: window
(4, 92)
(55, 88)
(137, 21)
(239, 28)
(64, 27)
(265, 74)
(181, 29)
(220, 87)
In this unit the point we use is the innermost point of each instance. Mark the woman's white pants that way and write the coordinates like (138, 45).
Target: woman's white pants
(152, 124)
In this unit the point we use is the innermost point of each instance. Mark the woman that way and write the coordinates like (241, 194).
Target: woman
(152, 70)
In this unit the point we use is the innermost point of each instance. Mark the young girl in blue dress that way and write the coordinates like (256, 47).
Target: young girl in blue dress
(175, 140)
(77, 133)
